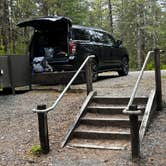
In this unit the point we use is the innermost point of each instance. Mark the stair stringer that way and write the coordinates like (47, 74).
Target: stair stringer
(76, 121)
(150, 107)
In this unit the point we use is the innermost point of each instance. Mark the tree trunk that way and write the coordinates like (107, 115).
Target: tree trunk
(110, 15)
(154, 20)
(13, 38)
(7, 27)
(140, 35)
(139, 51)
(122, 18)
(4, 16)
(45, 11)
(1, 10)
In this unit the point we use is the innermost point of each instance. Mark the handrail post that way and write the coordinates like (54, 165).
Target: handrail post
(43, 129)
(158, 78)
(88, 73)
(134, 129)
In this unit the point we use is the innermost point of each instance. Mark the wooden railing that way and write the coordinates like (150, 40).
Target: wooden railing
(154, 102)
(42, 110)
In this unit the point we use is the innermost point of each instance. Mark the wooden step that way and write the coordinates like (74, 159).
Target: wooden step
(111, 119)
(100, 134)
(105, 116)
(105, 121)
(92, 146)
(118, 100)
(98, 121)
(108, 116)
(107, 109)
(103, 128)
(100, 144)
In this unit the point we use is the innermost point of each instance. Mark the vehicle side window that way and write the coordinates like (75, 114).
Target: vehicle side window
(106, 39)
(111, 40)
(98, 37)
(102, 37)
(80, 34)
(92, 35)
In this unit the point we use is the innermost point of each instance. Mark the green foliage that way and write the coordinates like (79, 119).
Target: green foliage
(164, 77)
(163, 67)
(150, 66)
(36, 150)
(2, 50)
(129, 19)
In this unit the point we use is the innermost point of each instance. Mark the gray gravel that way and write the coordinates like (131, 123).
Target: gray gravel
(19, 128)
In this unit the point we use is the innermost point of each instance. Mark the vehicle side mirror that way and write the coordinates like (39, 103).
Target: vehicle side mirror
(118, 42)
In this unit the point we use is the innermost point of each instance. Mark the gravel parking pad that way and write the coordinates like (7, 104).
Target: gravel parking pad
(19, 126)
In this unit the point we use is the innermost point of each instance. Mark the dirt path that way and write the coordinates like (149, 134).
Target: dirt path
(19, 128)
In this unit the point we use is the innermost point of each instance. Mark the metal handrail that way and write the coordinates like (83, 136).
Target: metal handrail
(66, 88)
(126, 110)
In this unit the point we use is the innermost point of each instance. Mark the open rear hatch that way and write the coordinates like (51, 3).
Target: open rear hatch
(47, 23)
(50, 39)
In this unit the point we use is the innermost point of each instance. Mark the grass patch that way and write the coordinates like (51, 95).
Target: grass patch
(36, 150)
(163, 77)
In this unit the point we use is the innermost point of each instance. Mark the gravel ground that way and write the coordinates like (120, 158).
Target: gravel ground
(19, 126)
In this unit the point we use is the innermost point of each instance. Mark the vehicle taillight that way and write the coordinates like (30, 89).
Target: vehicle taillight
(72, 48)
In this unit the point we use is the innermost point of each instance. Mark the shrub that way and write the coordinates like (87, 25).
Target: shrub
(36, 150)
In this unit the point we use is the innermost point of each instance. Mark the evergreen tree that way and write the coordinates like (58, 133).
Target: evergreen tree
(139, 23)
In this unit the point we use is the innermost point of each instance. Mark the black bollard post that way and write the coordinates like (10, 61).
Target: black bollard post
(43, 129)
(88, 70)
(158, 79)
(134, 129)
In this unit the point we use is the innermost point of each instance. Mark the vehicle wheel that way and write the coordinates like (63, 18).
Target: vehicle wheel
(124, 67)
(94, 70)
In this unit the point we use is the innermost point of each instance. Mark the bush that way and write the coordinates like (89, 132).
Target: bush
(163, 67)
(36, 150)
(150, 66)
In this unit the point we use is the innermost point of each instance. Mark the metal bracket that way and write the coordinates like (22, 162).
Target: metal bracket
(138, 112)
(132, 110)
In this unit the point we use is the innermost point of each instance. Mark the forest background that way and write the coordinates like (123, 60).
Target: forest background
(140, 24)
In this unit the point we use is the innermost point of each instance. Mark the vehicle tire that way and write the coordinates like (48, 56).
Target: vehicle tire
(124, 67)
(94, 70)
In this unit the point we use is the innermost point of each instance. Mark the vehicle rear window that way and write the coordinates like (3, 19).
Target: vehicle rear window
(80, 34)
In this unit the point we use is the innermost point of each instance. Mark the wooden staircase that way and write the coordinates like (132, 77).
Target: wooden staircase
(101, 123)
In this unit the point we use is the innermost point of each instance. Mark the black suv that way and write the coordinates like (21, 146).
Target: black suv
(66, 46)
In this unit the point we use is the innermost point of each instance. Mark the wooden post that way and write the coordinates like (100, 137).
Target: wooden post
(30, 78)
(158, 78)
(88, 70)
(134, 129)
(11, 74)
(43, 129)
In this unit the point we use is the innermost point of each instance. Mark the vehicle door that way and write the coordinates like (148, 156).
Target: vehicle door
(106, 49)
(96, 43)
(115, 51)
